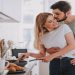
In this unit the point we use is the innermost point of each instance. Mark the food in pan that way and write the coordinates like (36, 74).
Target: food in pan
(13, 67)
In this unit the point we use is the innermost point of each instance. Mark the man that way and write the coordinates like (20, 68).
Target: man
(62, 13)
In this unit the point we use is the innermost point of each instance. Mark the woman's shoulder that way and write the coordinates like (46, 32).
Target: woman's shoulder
(65, 27)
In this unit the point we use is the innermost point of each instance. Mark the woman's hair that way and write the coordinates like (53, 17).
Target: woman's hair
(39, 28)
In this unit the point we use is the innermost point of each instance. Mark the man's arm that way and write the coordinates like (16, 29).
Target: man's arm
(53, 50)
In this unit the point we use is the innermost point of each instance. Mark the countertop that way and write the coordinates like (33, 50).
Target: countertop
(28, 69)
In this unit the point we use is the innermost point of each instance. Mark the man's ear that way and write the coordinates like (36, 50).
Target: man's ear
(68, 13)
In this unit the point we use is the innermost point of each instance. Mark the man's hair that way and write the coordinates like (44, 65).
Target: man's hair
(62, 6)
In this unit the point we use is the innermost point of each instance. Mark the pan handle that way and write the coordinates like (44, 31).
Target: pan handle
(34, 60)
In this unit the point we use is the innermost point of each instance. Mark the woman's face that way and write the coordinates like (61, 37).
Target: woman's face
(51, 23)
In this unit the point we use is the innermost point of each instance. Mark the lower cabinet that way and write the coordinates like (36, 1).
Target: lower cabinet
(43, 68)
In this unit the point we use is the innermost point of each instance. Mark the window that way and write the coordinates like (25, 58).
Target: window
(30, 10)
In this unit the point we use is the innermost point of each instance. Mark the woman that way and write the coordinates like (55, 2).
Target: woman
(50, 34)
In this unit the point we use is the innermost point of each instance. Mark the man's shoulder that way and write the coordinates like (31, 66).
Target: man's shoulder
(61, 23)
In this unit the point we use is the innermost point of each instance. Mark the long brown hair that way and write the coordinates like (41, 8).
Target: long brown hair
(39, 28)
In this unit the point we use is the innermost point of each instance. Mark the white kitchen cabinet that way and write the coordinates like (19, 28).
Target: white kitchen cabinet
(12, 8)
(0, 5)
(43, 68)
(35, 70)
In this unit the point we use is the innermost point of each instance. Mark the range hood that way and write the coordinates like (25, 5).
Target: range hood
(5, 18)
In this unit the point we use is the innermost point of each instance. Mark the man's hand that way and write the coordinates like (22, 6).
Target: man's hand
(53, 50)
(73, 61)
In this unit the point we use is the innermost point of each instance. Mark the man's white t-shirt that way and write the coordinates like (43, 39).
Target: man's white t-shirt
(56, 38)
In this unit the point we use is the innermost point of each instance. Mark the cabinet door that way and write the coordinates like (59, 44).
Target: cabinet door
(12, 8)
(43, 68)
(0, 5)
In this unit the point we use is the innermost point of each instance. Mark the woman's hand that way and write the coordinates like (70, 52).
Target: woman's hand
(23, 56)
(46, 58)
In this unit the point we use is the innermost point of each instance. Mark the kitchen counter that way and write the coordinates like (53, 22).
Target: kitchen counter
(28, 68)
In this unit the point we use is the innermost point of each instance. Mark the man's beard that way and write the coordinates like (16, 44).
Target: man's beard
(64, 18)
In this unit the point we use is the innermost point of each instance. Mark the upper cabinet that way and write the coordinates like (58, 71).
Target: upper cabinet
(10, 10)
(23, 11)
(0, 4)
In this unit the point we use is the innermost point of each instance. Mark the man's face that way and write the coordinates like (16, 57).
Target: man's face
(59, 15)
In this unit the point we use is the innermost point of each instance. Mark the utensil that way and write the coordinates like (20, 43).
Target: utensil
(34, 60)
